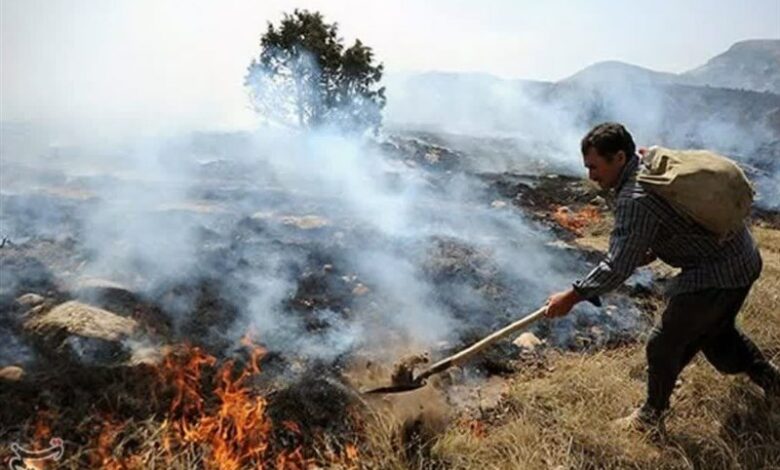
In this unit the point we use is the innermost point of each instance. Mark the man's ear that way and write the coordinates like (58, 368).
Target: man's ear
(620, 157)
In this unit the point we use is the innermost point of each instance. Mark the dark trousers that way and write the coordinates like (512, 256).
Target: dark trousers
(700, 321)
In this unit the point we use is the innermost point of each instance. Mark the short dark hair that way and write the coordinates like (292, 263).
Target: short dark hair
(608, 138)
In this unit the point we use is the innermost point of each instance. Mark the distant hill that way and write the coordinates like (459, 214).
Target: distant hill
(750, 65)
(611, 71)
(731, 104)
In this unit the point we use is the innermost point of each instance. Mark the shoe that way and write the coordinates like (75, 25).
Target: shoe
(642, 421)
(768, 379)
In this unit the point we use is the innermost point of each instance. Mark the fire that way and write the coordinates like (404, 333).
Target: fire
(212, 415)
(576, 221)
(42, 428)
(475, 427)
(351, 454)
(103, 455)
(185, 376)
(235, 431)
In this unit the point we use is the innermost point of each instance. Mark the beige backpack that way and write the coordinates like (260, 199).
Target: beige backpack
(711, 189)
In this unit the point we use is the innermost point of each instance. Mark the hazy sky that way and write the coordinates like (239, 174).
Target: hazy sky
(157, 64)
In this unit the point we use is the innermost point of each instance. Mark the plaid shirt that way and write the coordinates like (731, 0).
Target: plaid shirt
(644, 221)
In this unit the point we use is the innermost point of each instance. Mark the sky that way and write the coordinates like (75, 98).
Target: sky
(163, 65)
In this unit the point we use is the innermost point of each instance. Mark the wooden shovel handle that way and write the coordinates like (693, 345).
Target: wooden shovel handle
(463, 355)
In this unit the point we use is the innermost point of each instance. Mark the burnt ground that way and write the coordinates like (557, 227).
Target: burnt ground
(103, 360)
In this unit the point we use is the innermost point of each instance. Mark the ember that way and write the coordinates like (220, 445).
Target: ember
(577, 221)
(477, 428)
(42, 427)
(103, 456)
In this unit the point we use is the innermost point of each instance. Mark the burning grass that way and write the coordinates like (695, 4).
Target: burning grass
(199, 412)
(201, 409)
(576, 221)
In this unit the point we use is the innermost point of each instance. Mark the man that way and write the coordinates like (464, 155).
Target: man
(704, 298)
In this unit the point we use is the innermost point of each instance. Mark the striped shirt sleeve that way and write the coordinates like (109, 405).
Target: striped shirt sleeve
(636, 225)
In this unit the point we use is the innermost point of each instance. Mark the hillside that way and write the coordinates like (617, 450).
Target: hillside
(748, 65)
(722, 105)
(231, 300)
(612, 71)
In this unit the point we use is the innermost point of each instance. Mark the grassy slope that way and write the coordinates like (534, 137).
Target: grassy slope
(559, 416)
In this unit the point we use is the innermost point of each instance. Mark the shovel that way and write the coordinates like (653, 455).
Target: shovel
(410, 382)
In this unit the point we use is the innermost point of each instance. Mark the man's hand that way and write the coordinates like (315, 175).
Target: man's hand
(561, 303)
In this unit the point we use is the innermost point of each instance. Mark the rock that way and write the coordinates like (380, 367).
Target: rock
(418, 151)
(305, 222)
(497, 204)
(199, 207)
(527, 341)
(433, 156)
(360, 289)
(81, 333)
(84, 320)
(30, 300)
(11, 373)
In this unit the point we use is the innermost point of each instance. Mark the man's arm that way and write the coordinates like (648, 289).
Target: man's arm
(629, 243)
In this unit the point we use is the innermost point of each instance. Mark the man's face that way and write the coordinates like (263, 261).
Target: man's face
(602, 171)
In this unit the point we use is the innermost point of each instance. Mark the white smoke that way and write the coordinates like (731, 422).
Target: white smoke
(133, 233)
(169, 211)
(546, 120)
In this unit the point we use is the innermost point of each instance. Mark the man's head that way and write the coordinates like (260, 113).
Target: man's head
(605, 151)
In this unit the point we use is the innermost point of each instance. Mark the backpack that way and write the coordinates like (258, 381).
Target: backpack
(709, 188)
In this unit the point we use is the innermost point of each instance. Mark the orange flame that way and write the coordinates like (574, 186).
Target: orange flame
(351, 454)
(235, 432)
(103, 455)
(42, 428)
(212, 410)
(576, 221)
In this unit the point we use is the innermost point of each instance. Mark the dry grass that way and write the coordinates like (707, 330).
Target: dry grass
(556, 416)
(561, 418)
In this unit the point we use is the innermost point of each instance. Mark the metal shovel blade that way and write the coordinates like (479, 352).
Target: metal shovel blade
(460, 356)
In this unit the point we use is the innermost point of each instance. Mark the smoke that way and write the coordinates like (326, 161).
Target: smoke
(132, 235)
(769, 191)
(425, 250)
(544, 121)
(479, 105)
(323, 243)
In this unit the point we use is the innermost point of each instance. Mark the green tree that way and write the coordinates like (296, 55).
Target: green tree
(305, 77)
